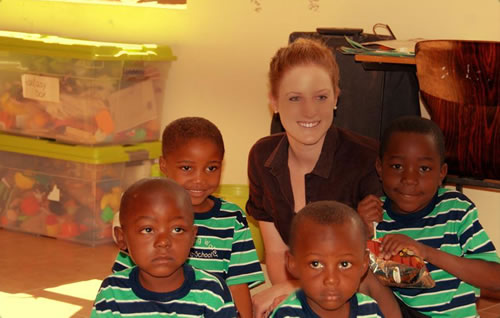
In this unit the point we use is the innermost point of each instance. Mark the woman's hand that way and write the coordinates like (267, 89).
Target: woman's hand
(265, 301)
(370, 209)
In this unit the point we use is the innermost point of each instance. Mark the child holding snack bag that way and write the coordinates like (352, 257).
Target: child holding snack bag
(439, 225)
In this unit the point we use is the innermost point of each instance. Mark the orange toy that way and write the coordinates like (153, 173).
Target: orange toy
(30, 205)
(105, 121)
(6, 121)
(52, 225)
(69, 230)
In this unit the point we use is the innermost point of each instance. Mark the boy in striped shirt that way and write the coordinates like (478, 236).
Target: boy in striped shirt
(193, 150)
(157, 229)
(327, 254)
(437, 224)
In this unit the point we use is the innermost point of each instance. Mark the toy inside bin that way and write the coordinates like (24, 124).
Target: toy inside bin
(81, 92)
(67, 192)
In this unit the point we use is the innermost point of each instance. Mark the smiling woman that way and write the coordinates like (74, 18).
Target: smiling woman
(311, 161)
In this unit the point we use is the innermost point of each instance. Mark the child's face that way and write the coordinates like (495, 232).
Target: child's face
(411, 171)
(329, 261)
(158, 237)
(305, 103)
(196, 166)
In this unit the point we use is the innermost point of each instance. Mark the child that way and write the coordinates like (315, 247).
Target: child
(328, 256)
(157, 230)
(437, 224)
(193, 151)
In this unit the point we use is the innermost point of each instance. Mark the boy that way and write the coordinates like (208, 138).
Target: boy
(193, 150)
(328, 256)
(437, 224)
(157, 230)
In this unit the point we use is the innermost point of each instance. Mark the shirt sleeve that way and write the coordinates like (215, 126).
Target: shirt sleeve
(255, 205)
(105, 304)
(474, 240)
(244, 265)
(290, 307)
(227, 308)
(122, 261)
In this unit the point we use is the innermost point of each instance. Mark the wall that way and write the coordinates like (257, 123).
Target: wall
(224, 47)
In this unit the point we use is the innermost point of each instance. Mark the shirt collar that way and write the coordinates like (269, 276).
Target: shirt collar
(141, 292)
(410, 218)
(323, 167)
(301, 296)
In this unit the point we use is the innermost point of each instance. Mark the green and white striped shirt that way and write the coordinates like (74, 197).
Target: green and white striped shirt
(448, 223)
(201, 295)
(223, 246)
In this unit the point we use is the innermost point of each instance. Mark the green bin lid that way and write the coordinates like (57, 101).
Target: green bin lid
(49, 45)
(77, 153)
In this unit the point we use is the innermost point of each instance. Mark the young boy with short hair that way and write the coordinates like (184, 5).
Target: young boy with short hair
(328, 256)
(193, 151)
(437, 224)
(157, 230)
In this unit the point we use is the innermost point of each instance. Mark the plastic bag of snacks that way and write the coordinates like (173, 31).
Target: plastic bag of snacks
(404, 270)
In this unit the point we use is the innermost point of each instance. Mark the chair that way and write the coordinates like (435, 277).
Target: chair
(459, 85)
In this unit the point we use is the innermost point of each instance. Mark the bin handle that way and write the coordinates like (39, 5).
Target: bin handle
(383, 26)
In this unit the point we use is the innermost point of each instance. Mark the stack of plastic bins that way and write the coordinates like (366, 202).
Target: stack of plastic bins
(100, 105)
(65, 191)
(81, 92)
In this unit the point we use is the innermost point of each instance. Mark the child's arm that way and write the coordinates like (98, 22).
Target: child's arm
(282, 282)
(370, 209)
(479, 273)
(386, 300)
(242, 300)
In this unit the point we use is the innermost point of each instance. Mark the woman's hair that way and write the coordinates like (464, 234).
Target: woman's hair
(303, 52)
(183, 129)
(416, 125)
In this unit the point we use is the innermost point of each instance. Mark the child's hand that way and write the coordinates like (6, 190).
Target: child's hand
(265, 301)
(392, 244)
(370, 210)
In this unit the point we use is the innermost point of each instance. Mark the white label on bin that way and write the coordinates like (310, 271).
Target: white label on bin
(40, 87)
(133, 105)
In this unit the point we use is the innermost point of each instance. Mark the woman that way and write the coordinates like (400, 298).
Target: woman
(313, 160)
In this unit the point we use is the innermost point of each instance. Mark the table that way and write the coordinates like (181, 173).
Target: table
(365, 58)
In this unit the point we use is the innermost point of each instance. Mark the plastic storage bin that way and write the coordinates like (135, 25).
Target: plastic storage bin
(81, 92)
(64, 191)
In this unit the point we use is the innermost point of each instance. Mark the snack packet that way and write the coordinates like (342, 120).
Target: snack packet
(404, 270)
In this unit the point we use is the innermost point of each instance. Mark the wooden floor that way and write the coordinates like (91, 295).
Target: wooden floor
(42, 277)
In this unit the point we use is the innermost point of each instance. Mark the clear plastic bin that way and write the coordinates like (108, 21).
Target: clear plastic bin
(81, 92)
(67, 192)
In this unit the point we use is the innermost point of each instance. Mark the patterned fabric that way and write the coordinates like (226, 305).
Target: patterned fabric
(201, 295)
(224, 246)
(296, 306)
(448, 223)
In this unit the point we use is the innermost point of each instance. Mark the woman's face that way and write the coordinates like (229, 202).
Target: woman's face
(305, 103)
